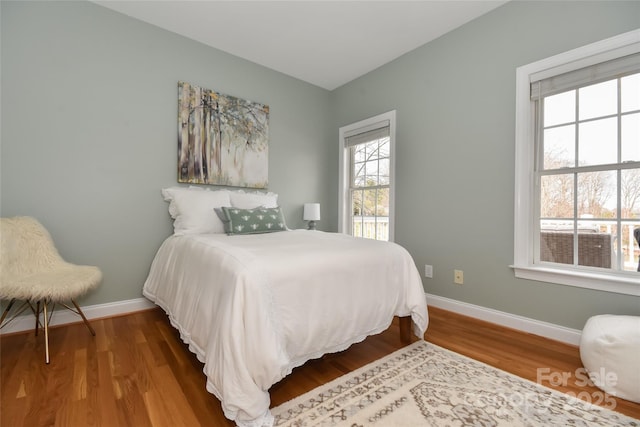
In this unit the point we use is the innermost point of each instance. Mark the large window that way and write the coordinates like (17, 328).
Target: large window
(578, 168)
(366, 179)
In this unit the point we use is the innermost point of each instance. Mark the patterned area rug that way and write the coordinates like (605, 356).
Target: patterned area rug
(426, 385)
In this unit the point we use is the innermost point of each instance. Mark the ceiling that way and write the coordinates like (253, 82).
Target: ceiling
(325, 43)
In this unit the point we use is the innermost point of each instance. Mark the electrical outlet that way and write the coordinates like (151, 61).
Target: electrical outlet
(458, 277)
(428, 271)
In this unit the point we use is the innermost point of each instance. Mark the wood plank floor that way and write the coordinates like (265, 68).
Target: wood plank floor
(136, 371)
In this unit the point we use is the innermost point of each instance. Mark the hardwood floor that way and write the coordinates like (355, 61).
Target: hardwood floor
(137, 372)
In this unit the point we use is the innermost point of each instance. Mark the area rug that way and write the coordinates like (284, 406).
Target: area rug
(426, 385)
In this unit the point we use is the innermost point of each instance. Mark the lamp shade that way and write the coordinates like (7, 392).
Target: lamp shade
(311, 212)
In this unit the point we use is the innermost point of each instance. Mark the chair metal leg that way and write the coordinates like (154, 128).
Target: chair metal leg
(37, 313)
(46, 314)
(3, 319)
(46, 332)
(6, 310)
(86, 322)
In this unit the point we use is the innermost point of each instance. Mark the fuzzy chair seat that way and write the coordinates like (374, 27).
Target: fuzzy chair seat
(32, 270)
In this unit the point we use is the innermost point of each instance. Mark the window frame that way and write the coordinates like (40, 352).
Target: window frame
(344, 178)
(525, 227)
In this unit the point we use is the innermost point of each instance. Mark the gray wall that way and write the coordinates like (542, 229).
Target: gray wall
(89, 113)
(455, 101)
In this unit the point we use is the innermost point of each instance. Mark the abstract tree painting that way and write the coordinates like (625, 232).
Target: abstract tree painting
(222, 140)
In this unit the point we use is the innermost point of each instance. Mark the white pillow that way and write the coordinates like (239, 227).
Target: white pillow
(169, 193)
(192, 209)
(242, 200)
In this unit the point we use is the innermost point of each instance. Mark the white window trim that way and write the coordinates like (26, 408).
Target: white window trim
(524, 267)
(343, 179)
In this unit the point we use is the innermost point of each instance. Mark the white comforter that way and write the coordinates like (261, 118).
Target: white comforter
(254, 307)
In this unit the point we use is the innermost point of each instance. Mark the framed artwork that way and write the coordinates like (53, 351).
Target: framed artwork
(222, 140)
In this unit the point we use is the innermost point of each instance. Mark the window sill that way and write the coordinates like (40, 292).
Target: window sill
(622, 283)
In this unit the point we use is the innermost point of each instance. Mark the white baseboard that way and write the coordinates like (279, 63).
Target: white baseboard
(525, 324)
(60, 316)
(548, 330)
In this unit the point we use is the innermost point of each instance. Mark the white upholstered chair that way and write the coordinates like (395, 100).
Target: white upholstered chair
(32, 271)
(609, 349)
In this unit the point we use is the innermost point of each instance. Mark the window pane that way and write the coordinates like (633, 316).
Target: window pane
(630, 193)
(384, 171)
(556, 196)
(598, 142)
(358, 153)
(560, 108)
(356, 226)
(356, 203)
(595, 249)
(559, 147)
(371, 150)
(597, 194)
(372, 173)
(631, 137)
(382, 220)
(384, 147)
(382, 201)
(358, 174)
(369, 203)
(356, 210)
(556, 246)
(630, 89)
(598, 100)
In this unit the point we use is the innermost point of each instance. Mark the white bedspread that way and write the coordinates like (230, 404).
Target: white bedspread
(253, 307)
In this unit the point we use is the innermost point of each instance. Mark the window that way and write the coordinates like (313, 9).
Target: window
(578, 167)
(366, 178)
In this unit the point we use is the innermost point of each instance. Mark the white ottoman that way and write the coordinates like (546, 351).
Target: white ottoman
(610, 351)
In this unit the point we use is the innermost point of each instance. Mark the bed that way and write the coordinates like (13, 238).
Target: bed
(252, 307)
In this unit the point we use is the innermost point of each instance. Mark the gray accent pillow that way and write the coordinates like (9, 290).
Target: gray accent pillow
(253, 221)
(223, 218)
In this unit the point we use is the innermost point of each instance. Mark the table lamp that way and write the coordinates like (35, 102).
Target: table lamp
(311, 214)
